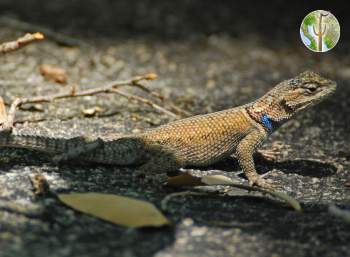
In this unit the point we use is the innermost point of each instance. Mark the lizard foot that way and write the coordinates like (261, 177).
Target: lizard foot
(269, 173)
(278, 149)
(264, 183)
(270, 155)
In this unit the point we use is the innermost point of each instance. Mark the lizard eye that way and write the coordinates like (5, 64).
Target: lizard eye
(310, 88)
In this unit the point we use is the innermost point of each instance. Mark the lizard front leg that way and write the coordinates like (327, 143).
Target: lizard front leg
(244, 153)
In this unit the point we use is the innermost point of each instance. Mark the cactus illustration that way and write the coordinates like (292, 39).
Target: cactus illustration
(321, 31)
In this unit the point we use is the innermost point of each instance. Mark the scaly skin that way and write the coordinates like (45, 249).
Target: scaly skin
(196, 141)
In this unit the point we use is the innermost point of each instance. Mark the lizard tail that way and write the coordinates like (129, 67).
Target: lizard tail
(121, 151)
(34, 142)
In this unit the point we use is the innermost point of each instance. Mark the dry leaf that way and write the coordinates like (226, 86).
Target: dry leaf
(53, 73)
(217, 180)
(117, 209)
(184, 180)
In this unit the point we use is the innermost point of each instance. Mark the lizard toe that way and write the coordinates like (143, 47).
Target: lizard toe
(261, 182)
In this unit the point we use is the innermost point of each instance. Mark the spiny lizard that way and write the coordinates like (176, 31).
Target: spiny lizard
(196, 141)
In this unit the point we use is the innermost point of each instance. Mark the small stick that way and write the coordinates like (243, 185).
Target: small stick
(167, 198)
(144, 101)
(163, 99)
(279, 195)
(109, 88)
(180, 111)
(20, 42)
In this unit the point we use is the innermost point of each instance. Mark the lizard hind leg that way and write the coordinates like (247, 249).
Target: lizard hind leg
(161, 161)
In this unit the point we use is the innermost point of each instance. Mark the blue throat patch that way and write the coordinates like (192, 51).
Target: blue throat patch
(266, 121)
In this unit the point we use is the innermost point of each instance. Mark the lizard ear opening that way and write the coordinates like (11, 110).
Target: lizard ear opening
(282, 102)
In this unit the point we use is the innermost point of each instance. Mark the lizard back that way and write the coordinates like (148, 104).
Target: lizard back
(203, 139)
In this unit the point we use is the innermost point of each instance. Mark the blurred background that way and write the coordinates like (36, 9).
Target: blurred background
(270, 20)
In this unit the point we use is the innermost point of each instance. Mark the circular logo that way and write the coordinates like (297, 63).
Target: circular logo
(320, 31)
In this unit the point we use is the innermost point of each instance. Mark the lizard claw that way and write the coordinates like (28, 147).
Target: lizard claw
(267, 184)
(261, 182)
(270, 155)
(278, 149)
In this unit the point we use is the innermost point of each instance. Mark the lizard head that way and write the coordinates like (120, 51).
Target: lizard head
(291, 96)
(303, 91)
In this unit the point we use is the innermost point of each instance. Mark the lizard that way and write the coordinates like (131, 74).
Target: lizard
(199, 140)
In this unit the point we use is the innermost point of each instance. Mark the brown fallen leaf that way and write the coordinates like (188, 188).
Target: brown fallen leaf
(53, 73)
(117, 209)
(184, 179)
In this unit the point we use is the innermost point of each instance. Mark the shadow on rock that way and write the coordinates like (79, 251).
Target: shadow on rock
(303, 167)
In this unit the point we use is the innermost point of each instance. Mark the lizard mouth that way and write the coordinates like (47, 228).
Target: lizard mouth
(317, 99)
(325, 93)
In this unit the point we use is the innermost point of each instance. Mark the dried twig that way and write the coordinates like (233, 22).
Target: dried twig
(180, 111)
(144, 101)
(109, 88)
(165, 201)
(163, 99)
(20, 42)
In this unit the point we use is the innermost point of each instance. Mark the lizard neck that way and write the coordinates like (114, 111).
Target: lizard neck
(269, 111)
